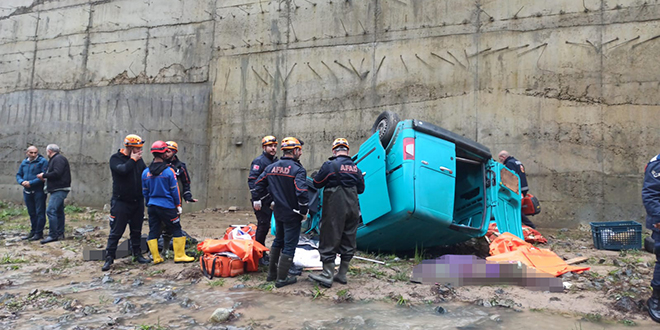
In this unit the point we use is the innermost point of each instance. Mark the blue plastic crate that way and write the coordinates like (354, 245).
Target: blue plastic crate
(617, 235)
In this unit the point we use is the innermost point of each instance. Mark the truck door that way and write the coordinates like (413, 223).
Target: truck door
(503, 194)
(375, 200)
(435, 177)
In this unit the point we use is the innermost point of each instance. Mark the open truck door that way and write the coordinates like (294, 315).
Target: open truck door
(375, 200)
(504, 197)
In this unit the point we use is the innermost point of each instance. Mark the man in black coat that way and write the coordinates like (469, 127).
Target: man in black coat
(342, 182)
(58, 185)
(127, 203)
(259, 164)
(515, 165)
(286, 181)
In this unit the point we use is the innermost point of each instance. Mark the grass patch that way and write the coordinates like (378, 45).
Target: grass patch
(244, 278)
(155, 272)
(400, 300)
(9, 259)
(218, 282)
(73, 209)
(151, 327)
(9, 213)
(593, 317)
(317, 292)
(401, 276)
(374, 271)
(343, 293)
(266, 286)
(419, 255)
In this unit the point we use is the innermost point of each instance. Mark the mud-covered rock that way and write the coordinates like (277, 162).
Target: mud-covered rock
(221, 315)
(626, 305)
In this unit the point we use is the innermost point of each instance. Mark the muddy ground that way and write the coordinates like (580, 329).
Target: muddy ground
(53, 287)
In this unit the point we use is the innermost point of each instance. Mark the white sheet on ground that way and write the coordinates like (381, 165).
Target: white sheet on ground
(309, 258)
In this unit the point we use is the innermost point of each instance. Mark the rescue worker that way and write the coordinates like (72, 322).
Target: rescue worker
(286, 181)
(182, 177)
(343, 181)
(127, 203)
(651, 200)
(516, 166)
(161, 194)
(267, 157)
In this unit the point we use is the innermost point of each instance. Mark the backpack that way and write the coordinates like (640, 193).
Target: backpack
(530, 205)
(221, 265)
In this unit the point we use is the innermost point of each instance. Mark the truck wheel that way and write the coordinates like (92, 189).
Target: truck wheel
(385, 125)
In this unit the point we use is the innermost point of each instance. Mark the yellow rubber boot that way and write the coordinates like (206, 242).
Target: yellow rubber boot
(153, 247)
(179, 245)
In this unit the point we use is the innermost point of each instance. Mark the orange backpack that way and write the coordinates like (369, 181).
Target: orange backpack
(217, 265)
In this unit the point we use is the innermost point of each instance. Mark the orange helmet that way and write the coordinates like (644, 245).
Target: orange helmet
(340, 142)
(172, 146)
(159, 147)
(290, 143)
(132, 140)
(269, 139)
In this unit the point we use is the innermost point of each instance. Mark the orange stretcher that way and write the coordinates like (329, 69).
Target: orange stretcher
(508, 247)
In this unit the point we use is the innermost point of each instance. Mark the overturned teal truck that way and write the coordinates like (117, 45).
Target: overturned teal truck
(426, 186)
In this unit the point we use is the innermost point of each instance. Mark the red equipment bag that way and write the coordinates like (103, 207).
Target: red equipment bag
(530, 205)
(221, 266)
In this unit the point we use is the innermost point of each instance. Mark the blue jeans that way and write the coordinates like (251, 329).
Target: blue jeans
(36, 206)
(55, 213)
(286, 236)
(655, 282)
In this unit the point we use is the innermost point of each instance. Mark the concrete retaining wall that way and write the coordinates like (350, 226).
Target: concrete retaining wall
(568, 87)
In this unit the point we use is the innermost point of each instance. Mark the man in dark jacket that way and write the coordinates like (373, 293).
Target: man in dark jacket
(58, 185)
(259, 164)
(33, 191)
(515, 165)
(286, 182)
(127, 203)
(161, 194)
(651, 200)
(343, 181)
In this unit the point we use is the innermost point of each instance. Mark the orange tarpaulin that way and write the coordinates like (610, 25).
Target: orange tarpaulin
(531, 235)
(508, 247)
(249, 251)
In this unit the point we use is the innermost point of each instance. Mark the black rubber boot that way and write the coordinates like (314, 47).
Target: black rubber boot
(326, 277)
(140, 259)
(28, 237)
(283, 271)
(166, 244)
(108, 262)
(341, 273)
(274, 261)
(654, 305)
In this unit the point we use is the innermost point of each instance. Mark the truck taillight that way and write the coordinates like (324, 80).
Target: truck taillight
(409, 148)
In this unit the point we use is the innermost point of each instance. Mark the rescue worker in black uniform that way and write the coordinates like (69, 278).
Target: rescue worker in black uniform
(515, 165)
(343, 181)
(286, 182)
(183, 178)
(127, 203)
(651, 200)
(259, 164)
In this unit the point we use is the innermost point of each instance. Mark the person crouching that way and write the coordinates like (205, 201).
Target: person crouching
(161, 195)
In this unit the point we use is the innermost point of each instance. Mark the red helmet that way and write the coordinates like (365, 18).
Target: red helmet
(159, 147)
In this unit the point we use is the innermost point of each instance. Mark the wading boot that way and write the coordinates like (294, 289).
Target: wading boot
(325, 278)
(166, 244)
(283, 271)
(274, 261)
(654, 305)
(180, 250)
(153, 248)
(341, 273)
(108, 262)
(137, 257)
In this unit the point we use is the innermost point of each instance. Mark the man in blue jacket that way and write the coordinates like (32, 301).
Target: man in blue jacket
(651, 200)
(342, 182)
(286, 181)
(259, 164)
(161, 195)
(33, 191)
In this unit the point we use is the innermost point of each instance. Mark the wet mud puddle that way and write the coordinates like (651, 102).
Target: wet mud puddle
(120, 301)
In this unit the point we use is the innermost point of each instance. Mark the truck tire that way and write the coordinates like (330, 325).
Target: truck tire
(385, 125)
